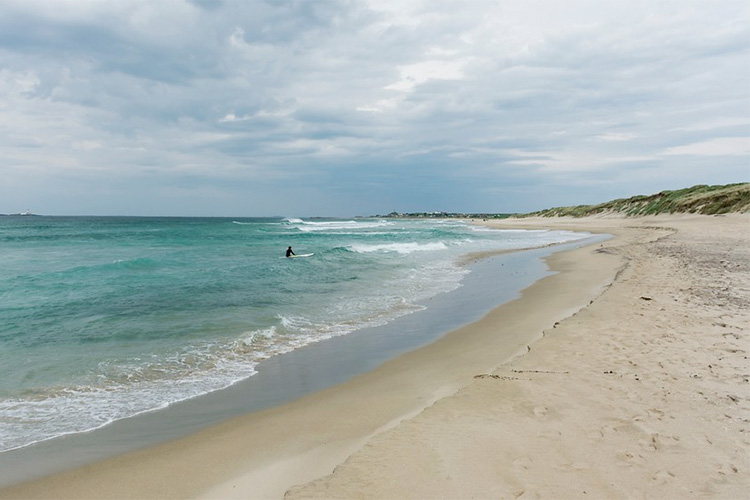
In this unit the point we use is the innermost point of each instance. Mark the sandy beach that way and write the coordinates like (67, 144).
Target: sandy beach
(623, 375)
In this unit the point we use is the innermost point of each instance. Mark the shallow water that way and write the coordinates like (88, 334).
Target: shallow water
(103, 318)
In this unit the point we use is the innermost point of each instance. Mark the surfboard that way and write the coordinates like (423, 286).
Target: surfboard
(302, 255)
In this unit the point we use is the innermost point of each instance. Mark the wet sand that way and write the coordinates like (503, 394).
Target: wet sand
(644, 393)
(624, 375)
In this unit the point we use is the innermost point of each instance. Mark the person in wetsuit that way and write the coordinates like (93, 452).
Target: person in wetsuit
(289, 252)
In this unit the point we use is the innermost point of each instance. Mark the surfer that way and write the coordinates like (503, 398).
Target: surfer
(289, 252)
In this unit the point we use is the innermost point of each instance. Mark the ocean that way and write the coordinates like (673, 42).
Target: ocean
(105, 318)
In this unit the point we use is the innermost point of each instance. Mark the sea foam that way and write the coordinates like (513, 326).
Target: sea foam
(106, 318)
(403, 248)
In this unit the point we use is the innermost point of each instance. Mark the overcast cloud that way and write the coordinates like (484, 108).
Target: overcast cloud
(328, 107)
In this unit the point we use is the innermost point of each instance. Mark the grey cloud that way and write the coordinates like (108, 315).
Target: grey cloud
(419, 102)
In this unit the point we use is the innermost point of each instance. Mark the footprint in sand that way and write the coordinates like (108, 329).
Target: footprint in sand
(523, 462)
(631, 459)
(663, 477)
(541, 411)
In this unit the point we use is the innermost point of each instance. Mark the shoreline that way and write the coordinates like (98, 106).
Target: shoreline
(425, 415)
(496, 277)
(643, 393)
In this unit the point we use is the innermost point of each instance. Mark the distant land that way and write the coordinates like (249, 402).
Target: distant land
(442, 215)
(26, 213)
(701, 199)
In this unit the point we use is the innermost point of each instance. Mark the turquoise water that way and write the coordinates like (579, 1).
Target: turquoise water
(103, 318)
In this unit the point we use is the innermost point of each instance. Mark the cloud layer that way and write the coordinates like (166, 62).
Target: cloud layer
(353, 107)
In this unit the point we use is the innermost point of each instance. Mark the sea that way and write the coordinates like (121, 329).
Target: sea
(105, 318)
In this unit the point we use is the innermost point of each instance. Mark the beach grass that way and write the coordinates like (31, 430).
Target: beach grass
(620, 375)
(700, 199)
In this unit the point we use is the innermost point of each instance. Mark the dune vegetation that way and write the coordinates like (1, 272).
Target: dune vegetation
(701, 199)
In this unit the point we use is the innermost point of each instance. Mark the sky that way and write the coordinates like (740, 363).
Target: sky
(358, 107)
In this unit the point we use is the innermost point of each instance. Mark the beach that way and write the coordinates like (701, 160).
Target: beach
(623, 375)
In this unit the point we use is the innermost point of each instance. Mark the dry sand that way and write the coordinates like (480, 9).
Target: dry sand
(625, 375)
(645, 393)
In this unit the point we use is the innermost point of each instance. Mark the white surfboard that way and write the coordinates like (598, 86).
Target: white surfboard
(302, 255)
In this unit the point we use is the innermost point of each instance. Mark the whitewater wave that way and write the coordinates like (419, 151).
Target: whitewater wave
(123, 390)
(130, 387)
(336, 225)
(484, 229)
(402, 248)
(340, 291)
